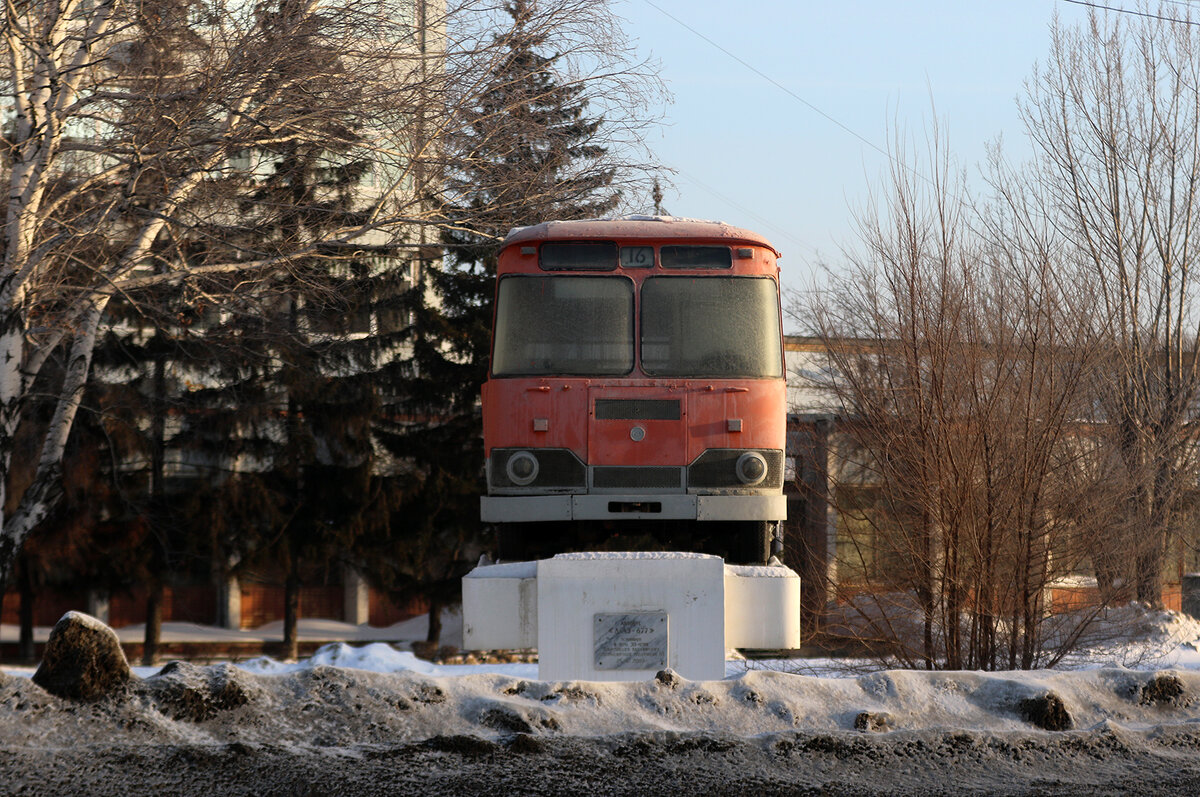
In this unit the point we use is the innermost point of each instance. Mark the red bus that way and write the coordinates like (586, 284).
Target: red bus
(636, 395)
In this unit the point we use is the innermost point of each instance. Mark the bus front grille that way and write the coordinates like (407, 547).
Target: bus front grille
(637, 409)
(607, 477)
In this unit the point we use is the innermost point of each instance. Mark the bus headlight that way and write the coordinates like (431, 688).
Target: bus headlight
(521, 468)
(751, 468)
(719, 469)
(554, 470)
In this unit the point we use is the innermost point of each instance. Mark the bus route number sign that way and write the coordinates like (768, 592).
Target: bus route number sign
(637, 256)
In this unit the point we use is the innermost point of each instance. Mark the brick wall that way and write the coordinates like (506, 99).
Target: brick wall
(261, 603)
(383, 612)
(47, 607)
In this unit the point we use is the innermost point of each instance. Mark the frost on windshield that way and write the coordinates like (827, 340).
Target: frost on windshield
(563, 326)
(711, 326)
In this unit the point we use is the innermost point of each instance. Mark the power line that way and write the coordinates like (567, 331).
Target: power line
(771, 80)
(792, 94)
(1184, 3)
(1119, 10)
(762, 220)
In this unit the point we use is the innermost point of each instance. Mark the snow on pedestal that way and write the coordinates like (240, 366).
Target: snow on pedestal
(625, 616)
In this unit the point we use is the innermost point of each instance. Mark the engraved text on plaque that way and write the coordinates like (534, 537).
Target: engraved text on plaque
(632, 641)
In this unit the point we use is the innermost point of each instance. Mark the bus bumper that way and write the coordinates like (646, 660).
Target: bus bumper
(535, 508)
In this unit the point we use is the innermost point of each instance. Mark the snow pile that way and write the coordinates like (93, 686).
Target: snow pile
(375, 657)
(322, 708)
(1136, 636)
(611, 556)
(310, 629)
(353, 706)
(1131, 635)
(375, 719)
(504, 570)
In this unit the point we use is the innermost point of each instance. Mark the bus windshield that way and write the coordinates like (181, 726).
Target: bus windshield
(711, 326)
(575, 326)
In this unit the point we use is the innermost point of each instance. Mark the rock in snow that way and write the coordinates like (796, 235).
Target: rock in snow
(83, 660)
(1047, 712)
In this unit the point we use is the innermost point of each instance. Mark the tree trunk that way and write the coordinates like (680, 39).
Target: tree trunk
(158, 554)
(434, 636)
(1152, 555)
(25, 617)
(154, 611)
(43, 493)
(1149, 576)
(291, 611)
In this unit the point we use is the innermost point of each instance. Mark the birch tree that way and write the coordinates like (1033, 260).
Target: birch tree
(134, 138)
(123, 122)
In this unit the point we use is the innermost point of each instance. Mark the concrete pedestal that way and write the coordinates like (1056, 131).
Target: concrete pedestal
(625, 616)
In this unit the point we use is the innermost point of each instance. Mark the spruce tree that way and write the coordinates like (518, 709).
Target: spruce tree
(299, 385)
(280, 382)
(526, 152)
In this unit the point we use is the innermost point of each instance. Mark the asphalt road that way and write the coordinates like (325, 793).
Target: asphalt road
(1093, 762)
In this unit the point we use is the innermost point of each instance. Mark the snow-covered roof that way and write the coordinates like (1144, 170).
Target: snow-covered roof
(638, 228)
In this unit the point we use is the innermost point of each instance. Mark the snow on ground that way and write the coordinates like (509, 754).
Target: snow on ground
(360, 719)
(1113, 674)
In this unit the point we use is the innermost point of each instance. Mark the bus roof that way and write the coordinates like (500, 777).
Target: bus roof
(637, 227)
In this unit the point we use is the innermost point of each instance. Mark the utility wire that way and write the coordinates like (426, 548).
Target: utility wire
(770, 80)
(1119, 10)
(790, 93)
(782, 233)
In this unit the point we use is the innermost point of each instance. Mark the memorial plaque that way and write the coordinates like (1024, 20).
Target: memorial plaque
(633, 641)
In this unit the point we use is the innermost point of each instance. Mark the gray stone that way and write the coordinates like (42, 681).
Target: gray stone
(83, 660)
(1047, 712)
(873, 721)
(1163, 689)
(668, 678)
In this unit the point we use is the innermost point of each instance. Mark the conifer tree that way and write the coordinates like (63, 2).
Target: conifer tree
(526, 151)
(300, 386)
(127, 121)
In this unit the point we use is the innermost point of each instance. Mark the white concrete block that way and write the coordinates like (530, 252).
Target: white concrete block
(500, 607)
(577, 593)
(762, 607)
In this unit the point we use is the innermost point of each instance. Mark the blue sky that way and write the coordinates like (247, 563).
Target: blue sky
(750, 154)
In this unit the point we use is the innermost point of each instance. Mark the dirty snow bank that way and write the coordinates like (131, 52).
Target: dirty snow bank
(374, 719)
(347, 707)
(334, 729)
